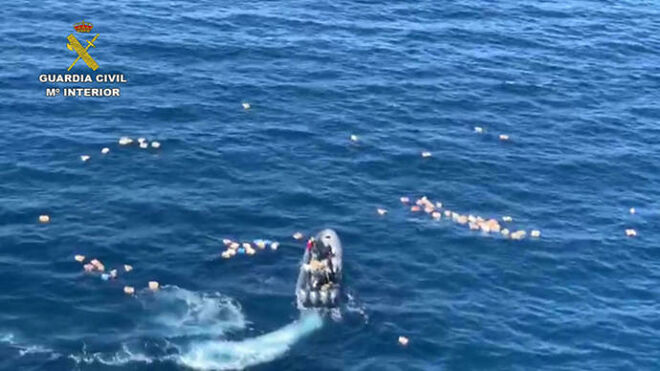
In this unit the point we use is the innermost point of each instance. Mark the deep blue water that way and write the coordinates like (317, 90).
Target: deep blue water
(573, 83)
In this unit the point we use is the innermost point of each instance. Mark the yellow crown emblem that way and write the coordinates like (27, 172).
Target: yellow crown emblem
(83, 26)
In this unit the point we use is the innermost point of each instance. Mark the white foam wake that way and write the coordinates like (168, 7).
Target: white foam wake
(175, 312)
(182, 326)
(231, 355)
(170, 320)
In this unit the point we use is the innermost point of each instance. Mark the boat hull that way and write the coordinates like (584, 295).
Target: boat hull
(310, 295)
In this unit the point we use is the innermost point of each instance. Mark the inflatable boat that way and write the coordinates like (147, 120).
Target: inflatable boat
(319, 280)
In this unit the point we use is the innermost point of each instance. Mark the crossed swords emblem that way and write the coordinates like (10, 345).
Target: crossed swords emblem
(75, 45)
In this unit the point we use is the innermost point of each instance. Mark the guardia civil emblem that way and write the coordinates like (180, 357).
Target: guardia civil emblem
(76, 46)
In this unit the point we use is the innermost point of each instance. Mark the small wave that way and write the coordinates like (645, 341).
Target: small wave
(26, 349)
(231, 355)
(31, 349)
(355, 306)
(7, 338)
(119, 358)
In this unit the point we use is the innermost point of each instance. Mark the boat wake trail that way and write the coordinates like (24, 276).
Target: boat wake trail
(173, 312)
(230, 355)
(187, 328)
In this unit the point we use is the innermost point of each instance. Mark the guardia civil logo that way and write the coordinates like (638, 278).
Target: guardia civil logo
(76, 46)
(82, 82)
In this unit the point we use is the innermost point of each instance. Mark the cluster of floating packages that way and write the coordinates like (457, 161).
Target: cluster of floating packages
(96, 266)
(126, 141)
(141, 142)
(476, 223)
(234, 248)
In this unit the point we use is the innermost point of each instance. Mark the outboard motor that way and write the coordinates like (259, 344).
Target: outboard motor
(302, 294)
(333, 296)
(313, 297)
(324, 297)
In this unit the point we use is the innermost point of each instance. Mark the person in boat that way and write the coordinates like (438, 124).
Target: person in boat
(320, 264)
